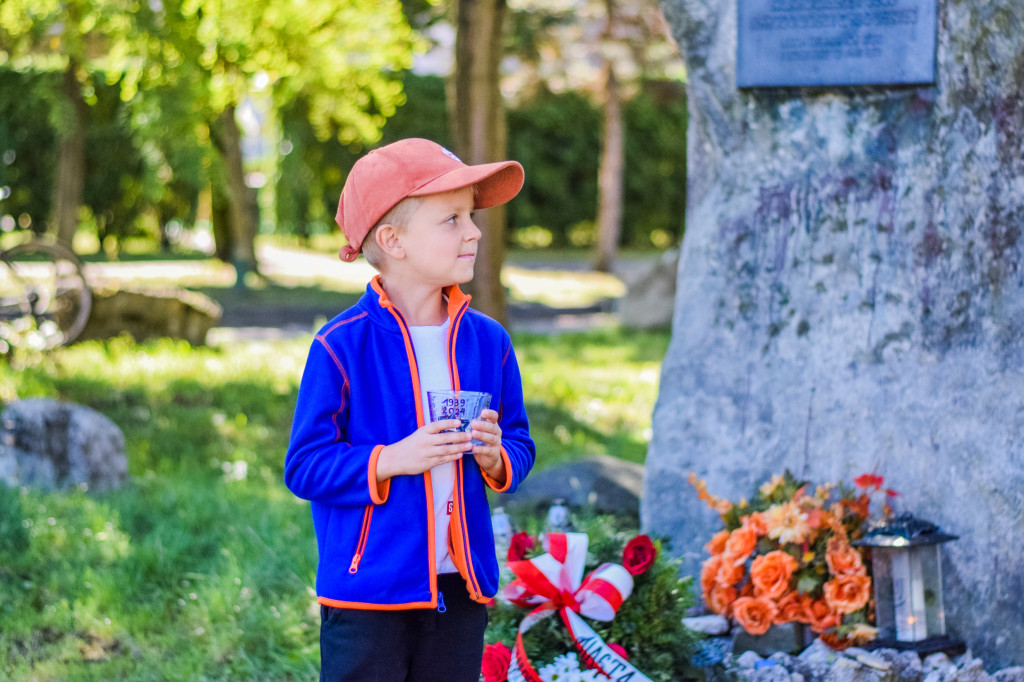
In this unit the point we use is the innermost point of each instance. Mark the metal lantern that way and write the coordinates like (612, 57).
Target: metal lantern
(907, 575)
(558, 517)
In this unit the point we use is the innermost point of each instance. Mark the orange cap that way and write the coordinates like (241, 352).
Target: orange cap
(411, 168)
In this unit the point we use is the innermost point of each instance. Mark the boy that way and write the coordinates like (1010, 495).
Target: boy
(402, 521)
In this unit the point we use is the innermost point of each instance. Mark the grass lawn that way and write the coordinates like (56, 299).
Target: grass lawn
(202, 567)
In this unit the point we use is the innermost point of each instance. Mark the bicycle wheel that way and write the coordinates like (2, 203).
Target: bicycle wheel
(53, 289)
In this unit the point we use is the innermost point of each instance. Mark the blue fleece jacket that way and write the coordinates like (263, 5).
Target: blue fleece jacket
(359, 392)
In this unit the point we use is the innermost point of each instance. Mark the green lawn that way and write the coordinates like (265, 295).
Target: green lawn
(202, 567)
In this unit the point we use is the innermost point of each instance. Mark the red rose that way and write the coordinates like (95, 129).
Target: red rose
(497, 657)
(639, 554)
(518, 546)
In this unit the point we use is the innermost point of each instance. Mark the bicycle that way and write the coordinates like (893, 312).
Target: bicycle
(45, 299)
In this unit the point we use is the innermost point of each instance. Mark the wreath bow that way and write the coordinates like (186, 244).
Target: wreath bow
(554, 583)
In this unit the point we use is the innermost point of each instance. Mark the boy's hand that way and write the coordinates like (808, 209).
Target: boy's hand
(488, 455)
(423, 449)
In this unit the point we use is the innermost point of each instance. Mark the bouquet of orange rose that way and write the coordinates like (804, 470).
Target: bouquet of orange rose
(786, 556)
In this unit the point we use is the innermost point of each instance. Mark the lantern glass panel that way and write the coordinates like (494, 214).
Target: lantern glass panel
(908, 592)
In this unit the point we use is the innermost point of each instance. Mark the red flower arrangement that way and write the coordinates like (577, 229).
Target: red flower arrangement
(786, 556)
(638, 626)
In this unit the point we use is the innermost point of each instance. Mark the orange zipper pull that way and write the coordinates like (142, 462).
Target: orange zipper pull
(354, 566)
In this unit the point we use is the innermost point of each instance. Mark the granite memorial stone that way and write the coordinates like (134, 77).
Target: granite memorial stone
(850, 298)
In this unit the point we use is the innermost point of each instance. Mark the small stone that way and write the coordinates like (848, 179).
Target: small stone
(712, 650)
(748, 659)
(818, 651)
(783, 659)
(770, 673)
(813, 671)
(1014, 674)
(937, 661)
(709, 625)
(906, 665)
(844, 670)
(971, 670)
(872, 660)
(937, 676)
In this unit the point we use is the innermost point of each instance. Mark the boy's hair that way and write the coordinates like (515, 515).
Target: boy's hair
(411, 168)
(399, 215)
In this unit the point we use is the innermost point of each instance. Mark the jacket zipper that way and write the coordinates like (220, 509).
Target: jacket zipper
(459, 502)
(364, 533)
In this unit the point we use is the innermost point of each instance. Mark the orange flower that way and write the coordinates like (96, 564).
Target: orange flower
(843, 559)
(709, 572)
(769, 487)
(731, 570)
(835, 642)
(771, 572)
(717, 544)
(722, 506)
(860, 506)
(755, 522)
(754, 614)
(720, 599)
(741, 542)
(786, 522)
(821, 615)
(792, 609)
(862, 634)
(848, 593)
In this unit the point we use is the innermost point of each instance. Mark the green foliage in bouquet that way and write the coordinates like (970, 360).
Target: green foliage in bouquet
(648, 625)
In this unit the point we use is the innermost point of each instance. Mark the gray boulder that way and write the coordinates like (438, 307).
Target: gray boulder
(49, 444)
(650, 296)
(605, 484)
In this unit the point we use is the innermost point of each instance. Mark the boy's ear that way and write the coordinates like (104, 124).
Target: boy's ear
(389, 241)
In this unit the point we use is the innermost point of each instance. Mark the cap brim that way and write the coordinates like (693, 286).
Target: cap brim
(496, 183)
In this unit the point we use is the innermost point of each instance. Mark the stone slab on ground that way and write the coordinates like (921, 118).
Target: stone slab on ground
(152, 314)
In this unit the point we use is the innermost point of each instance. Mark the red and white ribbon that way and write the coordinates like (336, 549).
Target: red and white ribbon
(554, 583)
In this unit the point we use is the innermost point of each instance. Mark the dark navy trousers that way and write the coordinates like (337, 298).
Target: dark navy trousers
(413, 645)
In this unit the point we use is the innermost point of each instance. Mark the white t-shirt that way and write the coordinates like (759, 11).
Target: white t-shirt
(430, 344)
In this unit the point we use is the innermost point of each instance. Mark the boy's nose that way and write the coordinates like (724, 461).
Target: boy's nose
(473, 233)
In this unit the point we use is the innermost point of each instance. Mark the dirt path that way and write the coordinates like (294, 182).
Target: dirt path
(309, 287)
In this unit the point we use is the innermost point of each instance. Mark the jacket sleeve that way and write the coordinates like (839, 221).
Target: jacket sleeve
(320, 465)
(517, 448)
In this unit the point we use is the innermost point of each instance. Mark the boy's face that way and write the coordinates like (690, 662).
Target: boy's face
(440, 239)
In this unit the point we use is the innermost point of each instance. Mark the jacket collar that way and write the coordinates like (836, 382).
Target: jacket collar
(457, 300)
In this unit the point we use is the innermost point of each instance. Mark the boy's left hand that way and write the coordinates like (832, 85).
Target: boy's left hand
(488, 455)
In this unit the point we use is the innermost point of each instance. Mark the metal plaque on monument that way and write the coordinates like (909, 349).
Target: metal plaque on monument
(800, 43)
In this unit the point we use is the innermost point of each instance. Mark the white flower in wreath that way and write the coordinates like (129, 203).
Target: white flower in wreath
(566, 668)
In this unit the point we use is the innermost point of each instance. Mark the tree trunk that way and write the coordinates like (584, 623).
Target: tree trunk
(220, 219)
(70, 182)
(477, 113)
(612, 167)
(241, 210)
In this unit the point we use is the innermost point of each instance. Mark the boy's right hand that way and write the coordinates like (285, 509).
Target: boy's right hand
(423, 449)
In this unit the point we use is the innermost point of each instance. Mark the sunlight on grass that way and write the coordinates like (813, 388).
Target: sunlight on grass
(561, 289)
